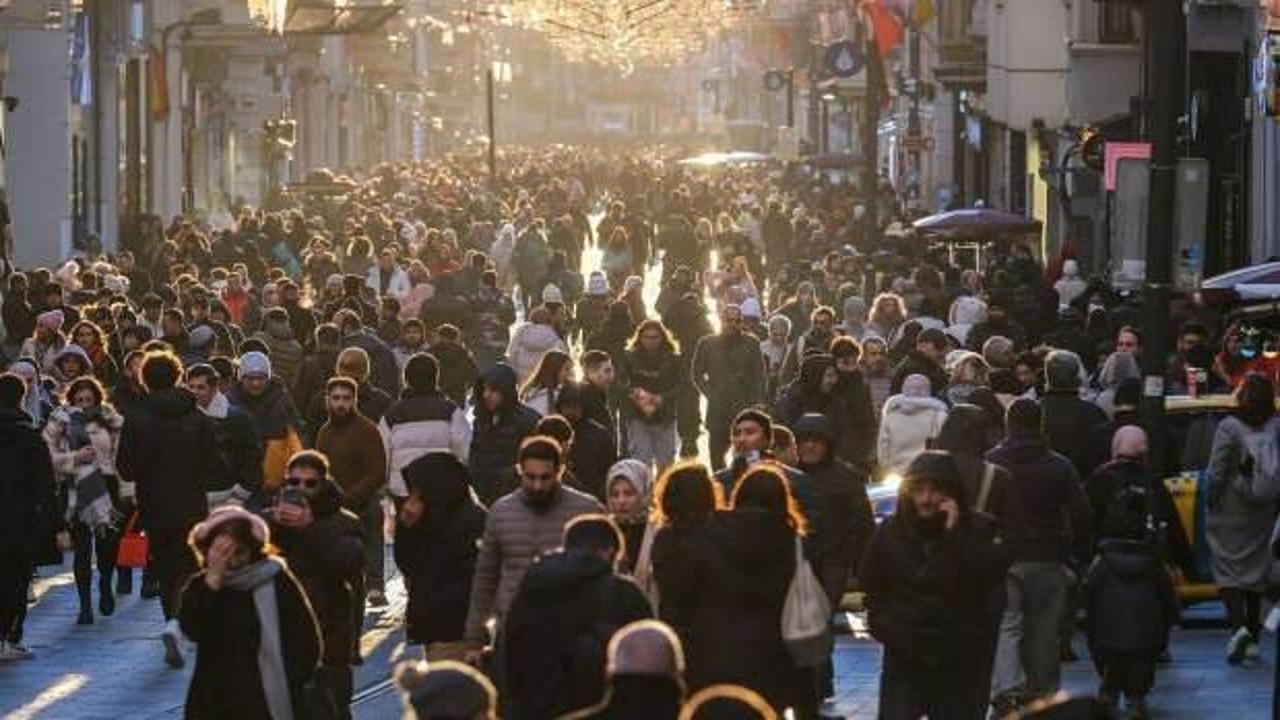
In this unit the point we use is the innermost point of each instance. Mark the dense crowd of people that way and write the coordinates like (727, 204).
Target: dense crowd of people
(616, 491)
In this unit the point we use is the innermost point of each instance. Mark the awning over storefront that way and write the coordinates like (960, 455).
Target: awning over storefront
(326, 17)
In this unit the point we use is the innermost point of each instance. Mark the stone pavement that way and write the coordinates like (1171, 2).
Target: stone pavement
(113, 668)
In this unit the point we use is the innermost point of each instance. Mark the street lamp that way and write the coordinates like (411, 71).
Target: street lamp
(775, 80)
(499, 71)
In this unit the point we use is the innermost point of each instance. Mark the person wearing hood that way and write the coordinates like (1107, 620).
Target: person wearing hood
(999, 323)
(1119, 367)
(629, 489)
(354, 448)
(1129, 597)
(566, 609)
(744, 568)
(238, 445)
(321, 541)
(966, 312)
(501, 423)
(853, 318)
(813, 392)
(70, 363)
(1126, 410)
(28, 511)
(1046, 526)
(1070, 286)
(284, 350)
(264, 398)
(46, 340)
(842, 522)
(929, 575)
(967, 372)
(438, 529)
(530, 341)
(774, 346)
(612, 335)
(171, 485)
(594, 448)
(909, 421)
(257, 640)
(752, 321)
(644, 675)
(1067, 417)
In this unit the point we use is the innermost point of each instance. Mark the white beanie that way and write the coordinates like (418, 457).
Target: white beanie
(552, 294)
(254, 363)
(751, 308)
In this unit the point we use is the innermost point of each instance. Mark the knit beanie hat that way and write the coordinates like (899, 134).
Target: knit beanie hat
(228, 513)
(1062, 370)
(551, 294)
(50, 320)
(201, 336)
(255, 364)
(751, 308)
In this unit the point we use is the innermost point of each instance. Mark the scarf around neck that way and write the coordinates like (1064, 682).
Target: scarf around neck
(258, 579)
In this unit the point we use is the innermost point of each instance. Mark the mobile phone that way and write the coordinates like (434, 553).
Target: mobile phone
(292, 495)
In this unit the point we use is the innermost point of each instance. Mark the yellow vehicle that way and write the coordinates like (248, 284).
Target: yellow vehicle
(1192, 424)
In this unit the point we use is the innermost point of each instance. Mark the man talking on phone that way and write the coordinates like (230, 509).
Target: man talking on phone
(322, 543)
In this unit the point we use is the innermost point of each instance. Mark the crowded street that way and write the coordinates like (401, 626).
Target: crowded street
(639, 360)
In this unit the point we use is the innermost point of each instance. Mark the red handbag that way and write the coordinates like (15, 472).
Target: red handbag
(134, 546)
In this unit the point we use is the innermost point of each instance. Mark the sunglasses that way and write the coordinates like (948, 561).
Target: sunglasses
(297, 481)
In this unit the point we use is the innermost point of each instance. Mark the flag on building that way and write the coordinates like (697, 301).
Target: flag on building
(885, 25)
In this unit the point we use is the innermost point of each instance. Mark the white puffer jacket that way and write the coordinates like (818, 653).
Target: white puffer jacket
(528, 344)
(417, 425)
(906, 426)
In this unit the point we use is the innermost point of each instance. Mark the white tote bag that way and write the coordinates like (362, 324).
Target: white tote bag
(806, 616)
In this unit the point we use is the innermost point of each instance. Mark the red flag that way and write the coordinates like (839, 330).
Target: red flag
(886, 27)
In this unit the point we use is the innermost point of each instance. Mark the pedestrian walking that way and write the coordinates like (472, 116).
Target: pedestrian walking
(239, 448)
(644, 675)
(171, 486)
(264, 398)
(422, 421)
(353, 446)
(651, 377)
(501, 423)
(258, 643)
(728, 369)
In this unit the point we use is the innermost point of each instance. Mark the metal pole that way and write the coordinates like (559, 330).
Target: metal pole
(791, 98)
(870, 134)
(913, 117)
(493, 152)
(1164, 24)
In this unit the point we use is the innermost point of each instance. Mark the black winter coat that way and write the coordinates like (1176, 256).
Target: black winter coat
(1130, 599)
(557, 630)
(675, 570)
(240, 451)
(384, 370)
(1044, 508)
(496, 437)
(842, 522)
(458, 371)
(167, 449)
(594, 451)
(327, 557)
(28, 511)
(743, 572)
(658, 373)
(933, 595)
(438, 559)
(224, 626)
(1067, 420)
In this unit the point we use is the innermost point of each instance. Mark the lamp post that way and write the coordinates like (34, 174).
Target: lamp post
(775, 80)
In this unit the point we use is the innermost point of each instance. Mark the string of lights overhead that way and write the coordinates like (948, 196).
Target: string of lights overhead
(629, 33)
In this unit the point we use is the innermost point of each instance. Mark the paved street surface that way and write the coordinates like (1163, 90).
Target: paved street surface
(113, 668)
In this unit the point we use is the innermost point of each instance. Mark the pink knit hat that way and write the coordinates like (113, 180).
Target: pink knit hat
(50, 320)
(225, 514)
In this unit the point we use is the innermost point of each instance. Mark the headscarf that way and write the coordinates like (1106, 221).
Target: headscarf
(636, 473)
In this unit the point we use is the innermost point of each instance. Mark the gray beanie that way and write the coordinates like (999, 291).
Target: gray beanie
(1062, 370)
(255, 364)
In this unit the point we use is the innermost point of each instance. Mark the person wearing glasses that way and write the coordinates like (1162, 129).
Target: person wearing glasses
(321, 540)
(521, 525)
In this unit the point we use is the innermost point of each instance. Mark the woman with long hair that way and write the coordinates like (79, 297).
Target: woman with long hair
(1242, 510)
(888, 311)
(257, 640)
(82, 435)
(650, 375)
(93, 341)
(685, 497)
(744, 571)
(540, 390)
